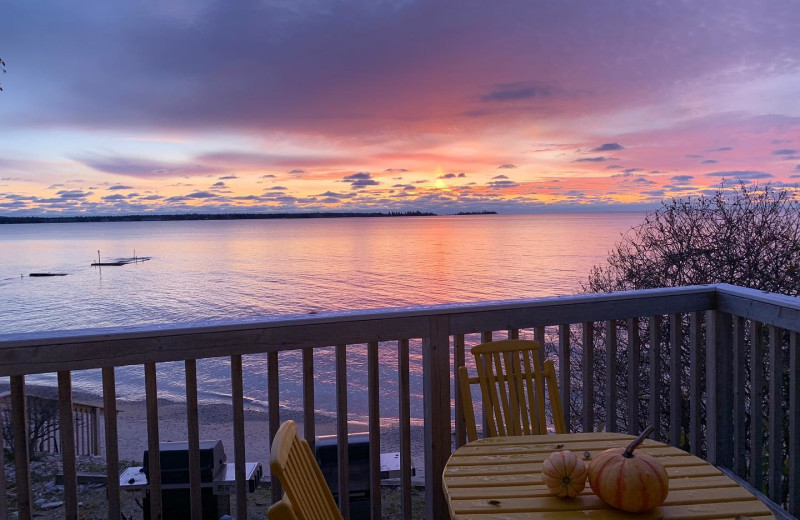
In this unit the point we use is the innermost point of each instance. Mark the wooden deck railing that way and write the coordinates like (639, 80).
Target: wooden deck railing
(715, 368)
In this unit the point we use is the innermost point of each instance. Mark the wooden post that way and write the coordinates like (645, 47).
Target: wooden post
(654, 405)
(193, 430)
(719, 389)
(3, 495)
(237, 400)
(373, 391)
(633, 376)
(403, 386)
(739, 378)
(775, 443)
(436, 392)
(342, 439)
(588, 376)
(19, 411)
(794, 423)
(309, 417)
(112, 443)
(756, 405)
(67, 436)
(274, 408)
(153, 454)
(611, 376)
(564, 373)
(675, 372)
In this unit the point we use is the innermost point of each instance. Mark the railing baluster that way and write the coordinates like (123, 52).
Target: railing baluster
(373, 386)
(404, 388)
(67, 437)
(538, 336)
(459, 361)
(588, 376)
(775, 414)
(309, 407)
(95, 431)
(654, 404)
(719, 391)
(675, 372)
(237, 401)
(342, 440)
(193, 435)
(112, 443)
(756, 406)
(634, 354)
(612, 389)
(739, 379)
(564, 372)
(273, 414)
(153, 455)
(794, 424)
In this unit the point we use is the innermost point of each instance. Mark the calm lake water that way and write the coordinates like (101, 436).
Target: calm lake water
(217, 270)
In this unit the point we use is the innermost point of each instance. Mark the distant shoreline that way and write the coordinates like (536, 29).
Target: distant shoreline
(218, 216)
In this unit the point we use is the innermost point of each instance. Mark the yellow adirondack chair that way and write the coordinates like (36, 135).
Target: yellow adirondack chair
(281, 510)
(512, 384)
(292, 461)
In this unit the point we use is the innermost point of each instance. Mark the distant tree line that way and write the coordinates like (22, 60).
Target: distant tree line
(206, 216)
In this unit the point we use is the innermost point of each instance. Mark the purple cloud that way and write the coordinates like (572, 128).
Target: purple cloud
(742, 174)
(608, 147)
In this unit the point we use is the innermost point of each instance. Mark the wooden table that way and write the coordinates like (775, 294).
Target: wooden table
(500, 478)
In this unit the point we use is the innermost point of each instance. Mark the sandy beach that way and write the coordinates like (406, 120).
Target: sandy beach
(216, 423)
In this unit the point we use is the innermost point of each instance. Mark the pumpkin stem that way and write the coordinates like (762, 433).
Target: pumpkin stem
(628, 453)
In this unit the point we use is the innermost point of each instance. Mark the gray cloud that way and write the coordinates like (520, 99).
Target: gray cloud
(784, 151)
(297, 171)
(120, 187)
(742, 174)
(591, 159)
(721, 149)
(360, 180)
(506, 166)
(502, 184)
(143, 168)
(709, 161)
(607, 147)
(395, 170)
(518, 91)
(500, 177)
(681, 179)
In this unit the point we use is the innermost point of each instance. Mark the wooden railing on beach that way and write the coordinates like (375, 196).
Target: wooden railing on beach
(678, 358)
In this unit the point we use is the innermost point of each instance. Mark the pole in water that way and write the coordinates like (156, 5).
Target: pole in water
(98, 256)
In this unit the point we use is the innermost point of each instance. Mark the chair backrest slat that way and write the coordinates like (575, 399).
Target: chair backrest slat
(293, 463)
(512, 382)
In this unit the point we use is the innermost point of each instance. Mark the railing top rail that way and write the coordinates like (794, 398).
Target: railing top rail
(769, 308)
(83, 349)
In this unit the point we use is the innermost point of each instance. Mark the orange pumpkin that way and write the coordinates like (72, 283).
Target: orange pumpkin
(564, 474)
(628, 481)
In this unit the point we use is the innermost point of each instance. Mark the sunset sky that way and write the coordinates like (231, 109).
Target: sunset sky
(173, 106)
